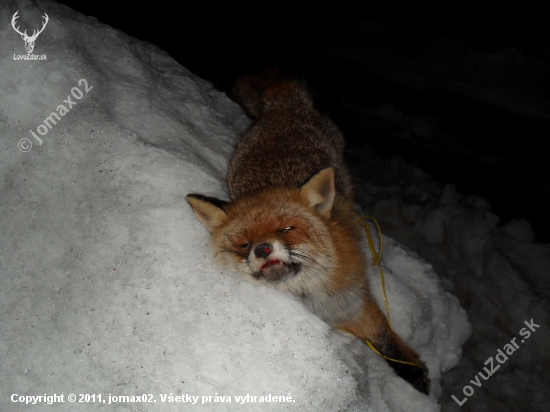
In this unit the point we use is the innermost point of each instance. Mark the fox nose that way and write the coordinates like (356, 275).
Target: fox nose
(263, 250)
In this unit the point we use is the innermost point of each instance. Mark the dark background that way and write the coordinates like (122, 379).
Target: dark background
(482, 149)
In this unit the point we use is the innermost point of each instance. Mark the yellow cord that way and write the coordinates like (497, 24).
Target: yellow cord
(376, 258)
(391, 359)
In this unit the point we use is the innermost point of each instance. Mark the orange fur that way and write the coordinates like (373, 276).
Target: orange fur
(291, 224)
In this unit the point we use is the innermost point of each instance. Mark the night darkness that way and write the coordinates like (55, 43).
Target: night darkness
(485, 150)
(107, 281)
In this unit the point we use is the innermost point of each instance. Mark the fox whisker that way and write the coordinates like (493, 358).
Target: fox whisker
(302, 254)
(232, 251)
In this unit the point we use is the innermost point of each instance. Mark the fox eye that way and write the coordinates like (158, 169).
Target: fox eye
(286, 229)
(245, 245)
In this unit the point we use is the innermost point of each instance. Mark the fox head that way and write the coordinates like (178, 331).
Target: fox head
(276, 235)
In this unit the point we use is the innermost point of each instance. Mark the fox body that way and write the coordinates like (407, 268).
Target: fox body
(290, 222)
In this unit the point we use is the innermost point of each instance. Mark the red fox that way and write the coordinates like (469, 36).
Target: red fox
(291, 222)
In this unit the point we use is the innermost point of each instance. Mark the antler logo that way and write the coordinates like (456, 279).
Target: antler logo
(29, 40)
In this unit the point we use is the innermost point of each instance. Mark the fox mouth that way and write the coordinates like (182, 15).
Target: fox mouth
(270, 263)
(276, 270)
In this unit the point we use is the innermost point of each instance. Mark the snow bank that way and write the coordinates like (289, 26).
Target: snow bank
(107, 284)
(499, 274)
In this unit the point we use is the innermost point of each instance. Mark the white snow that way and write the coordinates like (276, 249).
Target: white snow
(107, 282)
(499, 273)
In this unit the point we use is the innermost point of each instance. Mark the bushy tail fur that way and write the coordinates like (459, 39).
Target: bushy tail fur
(259, 92)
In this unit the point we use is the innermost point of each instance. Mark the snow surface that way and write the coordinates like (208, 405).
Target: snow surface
(108, 285)
(498, 273)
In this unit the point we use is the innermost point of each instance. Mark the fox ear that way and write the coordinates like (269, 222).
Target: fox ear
(319, 191)
(209, 210)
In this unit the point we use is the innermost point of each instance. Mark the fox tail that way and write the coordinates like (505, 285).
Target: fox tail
(268, 89)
